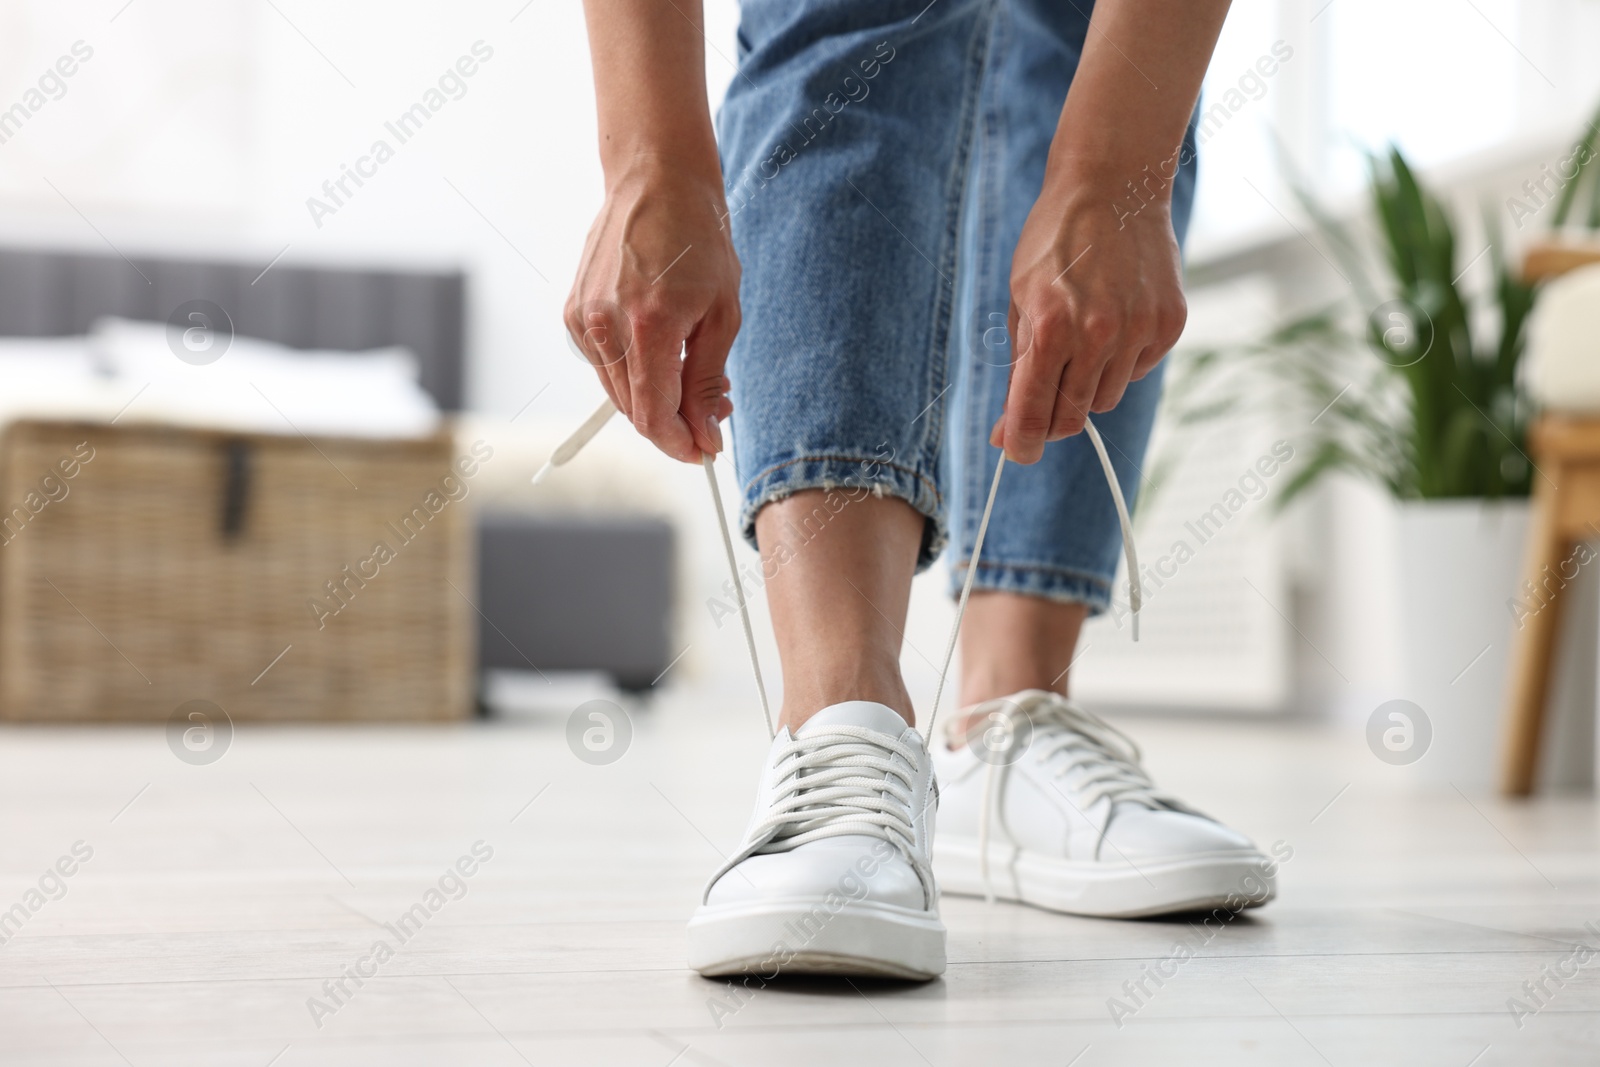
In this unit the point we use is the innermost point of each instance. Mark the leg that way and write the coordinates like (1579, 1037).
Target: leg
(845, 139)
(841, 582)
(1053, 546)
(1054, 534)
(1040, 801)
(845, 142)
(1011, 642)
(1535, 644)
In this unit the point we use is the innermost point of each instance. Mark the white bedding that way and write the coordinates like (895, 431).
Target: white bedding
(127, 370)
(54, 378)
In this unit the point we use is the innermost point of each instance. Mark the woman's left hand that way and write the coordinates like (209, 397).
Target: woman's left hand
(1096, 302)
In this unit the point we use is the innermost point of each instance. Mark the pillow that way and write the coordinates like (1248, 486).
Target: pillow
(53, 377)
(22, 358)
(1563, 358)
(263, 387)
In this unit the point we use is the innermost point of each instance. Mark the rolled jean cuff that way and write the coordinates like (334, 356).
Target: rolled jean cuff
(1060, 584)
(852, 476)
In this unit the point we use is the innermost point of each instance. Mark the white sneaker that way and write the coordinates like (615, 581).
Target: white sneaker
(833, 876)
(1048, 805)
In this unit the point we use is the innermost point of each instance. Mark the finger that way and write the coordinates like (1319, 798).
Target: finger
(1019, 333)
(1076, 392)
(604, 347)
(1018, 345)
(1170, 321)
(704, 386)
(1148, 361)
(1114, 379)
(1067, 412)
(1030, 403)
(655, 378)
(1075, 389)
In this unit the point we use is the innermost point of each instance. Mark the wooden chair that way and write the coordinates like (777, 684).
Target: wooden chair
(1565, 511)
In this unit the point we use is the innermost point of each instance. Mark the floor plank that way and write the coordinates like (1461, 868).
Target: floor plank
(220, 899)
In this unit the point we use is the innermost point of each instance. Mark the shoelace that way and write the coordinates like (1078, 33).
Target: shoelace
(840, 781)
(591, 426)
(863, 789)
(585, 433)
(1104, 761)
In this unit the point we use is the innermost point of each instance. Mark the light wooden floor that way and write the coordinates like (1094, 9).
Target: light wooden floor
(220, 899)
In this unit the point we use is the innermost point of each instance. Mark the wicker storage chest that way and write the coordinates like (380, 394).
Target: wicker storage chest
(281, 578)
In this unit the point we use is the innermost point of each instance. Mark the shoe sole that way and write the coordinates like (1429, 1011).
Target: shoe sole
(1233, 879)
(862, 939)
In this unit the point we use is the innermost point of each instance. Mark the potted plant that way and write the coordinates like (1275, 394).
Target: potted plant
(1410, 381)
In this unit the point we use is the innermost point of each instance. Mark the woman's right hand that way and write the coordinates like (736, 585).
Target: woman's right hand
(655, 306)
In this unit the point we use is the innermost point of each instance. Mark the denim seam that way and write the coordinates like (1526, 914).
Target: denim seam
(839, 457)
(1096, 590)
(955, 205)
(761, 490)
(985, 261)
(1039, 568)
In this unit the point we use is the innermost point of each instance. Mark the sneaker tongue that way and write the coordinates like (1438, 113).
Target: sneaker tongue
(864, 713)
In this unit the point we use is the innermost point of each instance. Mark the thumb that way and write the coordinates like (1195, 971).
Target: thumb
(705, 403)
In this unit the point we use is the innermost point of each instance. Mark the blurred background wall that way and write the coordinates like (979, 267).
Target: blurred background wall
(205, 126)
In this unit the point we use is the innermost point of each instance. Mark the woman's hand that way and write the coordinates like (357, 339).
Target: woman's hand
(1096, 301)
(1096, 295)
(655, 305)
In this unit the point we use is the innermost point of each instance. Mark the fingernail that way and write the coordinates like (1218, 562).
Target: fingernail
(714, 431)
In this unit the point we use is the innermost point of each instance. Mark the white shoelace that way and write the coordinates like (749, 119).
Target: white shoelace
(595, 422)
(1104, 762)
(840, 781)
(831, 814)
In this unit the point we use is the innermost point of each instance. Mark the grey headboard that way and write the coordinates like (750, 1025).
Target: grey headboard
(46, 294)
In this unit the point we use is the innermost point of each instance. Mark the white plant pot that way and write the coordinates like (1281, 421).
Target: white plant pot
(1460, 565)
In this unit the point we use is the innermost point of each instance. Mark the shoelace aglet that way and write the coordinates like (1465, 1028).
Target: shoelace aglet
(580, 437)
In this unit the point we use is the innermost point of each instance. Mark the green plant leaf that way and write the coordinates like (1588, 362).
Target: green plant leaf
(1437, 416)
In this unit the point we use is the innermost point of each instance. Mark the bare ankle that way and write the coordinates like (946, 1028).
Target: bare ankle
(1013, 642)
(990, 687)
(982, 686)
(841, 582)
(804, 701)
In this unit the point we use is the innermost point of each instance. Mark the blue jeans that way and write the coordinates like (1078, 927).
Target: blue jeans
(881, 157)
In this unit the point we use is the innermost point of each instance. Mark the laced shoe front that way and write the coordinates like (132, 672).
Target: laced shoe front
(1050, 805)
(833, 875)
